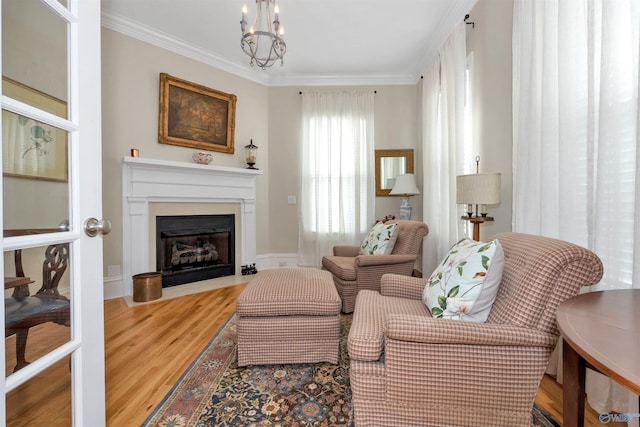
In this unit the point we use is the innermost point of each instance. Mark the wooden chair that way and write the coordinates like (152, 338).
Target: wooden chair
(24, 311)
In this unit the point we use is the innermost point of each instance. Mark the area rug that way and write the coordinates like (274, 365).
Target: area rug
(214, 391)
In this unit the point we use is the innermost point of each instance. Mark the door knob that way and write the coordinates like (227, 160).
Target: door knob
(93, 227)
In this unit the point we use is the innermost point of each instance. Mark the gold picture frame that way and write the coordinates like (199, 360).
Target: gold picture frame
(32, 149)
(192, 115)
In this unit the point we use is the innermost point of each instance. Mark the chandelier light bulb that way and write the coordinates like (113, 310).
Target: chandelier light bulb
(244, 11)
(281, 31)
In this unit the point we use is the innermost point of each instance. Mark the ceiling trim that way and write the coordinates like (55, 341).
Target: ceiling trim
(456, 14)
(141, 32)
(146, 34)
(345, 80)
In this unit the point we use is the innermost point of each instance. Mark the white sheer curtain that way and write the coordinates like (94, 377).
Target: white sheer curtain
(337, 194)
(443, 141)
(575, 125)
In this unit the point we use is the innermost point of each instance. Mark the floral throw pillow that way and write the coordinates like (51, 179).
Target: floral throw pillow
(466, 282)
(380, 240)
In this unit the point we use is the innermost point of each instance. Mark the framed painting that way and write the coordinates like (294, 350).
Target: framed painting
(195, 116)
(32, 149)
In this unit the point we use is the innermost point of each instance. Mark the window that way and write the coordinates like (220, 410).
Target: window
(337, 192)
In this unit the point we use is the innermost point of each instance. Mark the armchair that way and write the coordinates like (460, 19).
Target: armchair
(410, 369)
(353, 272)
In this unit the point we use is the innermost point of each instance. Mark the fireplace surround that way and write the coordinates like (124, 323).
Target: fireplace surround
(150, 181)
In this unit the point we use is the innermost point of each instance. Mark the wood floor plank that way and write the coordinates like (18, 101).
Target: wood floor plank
(147, 348)
(171, 334)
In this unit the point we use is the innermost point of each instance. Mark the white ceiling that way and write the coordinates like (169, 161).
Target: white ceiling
(329, 42)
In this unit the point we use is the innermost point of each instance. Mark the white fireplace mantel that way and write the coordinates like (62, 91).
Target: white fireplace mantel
(147, 181)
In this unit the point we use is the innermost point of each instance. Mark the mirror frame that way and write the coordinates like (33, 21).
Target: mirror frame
(379, 154)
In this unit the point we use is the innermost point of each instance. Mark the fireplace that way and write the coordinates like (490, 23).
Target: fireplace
(148, 182)
(191, 248)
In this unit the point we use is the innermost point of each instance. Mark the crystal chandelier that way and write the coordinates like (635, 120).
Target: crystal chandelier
(264, 41)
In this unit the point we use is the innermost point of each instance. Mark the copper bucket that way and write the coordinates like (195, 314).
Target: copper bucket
(147, 286)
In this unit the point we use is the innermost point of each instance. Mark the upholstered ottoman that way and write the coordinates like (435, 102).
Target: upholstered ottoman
(289, 315)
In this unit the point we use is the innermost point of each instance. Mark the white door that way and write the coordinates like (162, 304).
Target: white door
(51, 159)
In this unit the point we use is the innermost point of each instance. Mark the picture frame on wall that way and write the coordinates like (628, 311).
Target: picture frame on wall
(30, 148)
(195, 116)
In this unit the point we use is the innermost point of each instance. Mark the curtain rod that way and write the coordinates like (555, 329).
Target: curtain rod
(300, 93)
(473, 24)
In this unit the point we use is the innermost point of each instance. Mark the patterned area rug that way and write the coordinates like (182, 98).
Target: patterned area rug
(214, 391)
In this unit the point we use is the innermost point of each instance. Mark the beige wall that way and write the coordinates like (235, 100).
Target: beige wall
(490, 42)
(272, 115)
(284, 160)
(396, 119)
(130, 93)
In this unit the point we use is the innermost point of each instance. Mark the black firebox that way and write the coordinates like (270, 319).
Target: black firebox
(191, 248)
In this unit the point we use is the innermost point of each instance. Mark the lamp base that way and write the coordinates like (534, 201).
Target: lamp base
(405, 212)
(476, 221)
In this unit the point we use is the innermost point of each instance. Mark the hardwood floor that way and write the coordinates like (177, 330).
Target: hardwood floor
(147, 348)
(150, 346)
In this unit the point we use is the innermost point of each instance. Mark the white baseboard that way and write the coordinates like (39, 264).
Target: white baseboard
(271, 261)
(113, 287)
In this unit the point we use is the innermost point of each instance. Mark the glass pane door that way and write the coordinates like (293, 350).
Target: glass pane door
(53, 316)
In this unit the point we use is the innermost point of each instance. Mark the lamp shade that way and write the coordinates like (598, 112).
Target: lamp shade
(405, 185)
(478, 189)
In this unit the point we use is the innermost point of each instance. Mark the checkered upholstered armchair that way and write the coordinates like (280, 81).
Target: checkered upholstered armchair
(353, 272)
(410, 369)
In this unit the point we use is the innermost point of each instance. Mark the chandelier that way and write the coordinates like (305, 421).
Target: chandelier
(264, 41)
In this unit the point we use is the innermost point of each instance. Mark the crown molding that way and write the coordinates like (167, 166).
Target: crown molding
(146, 34)
(344, 80)
(149, 35)
(455, 15)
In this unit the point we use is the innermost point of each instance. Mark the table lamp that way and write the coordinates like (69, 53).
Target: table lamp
(480, 189)
(405, 186)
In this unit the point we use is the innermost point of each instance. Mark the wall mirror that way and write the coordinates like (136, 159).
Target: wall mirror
(389, 164)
